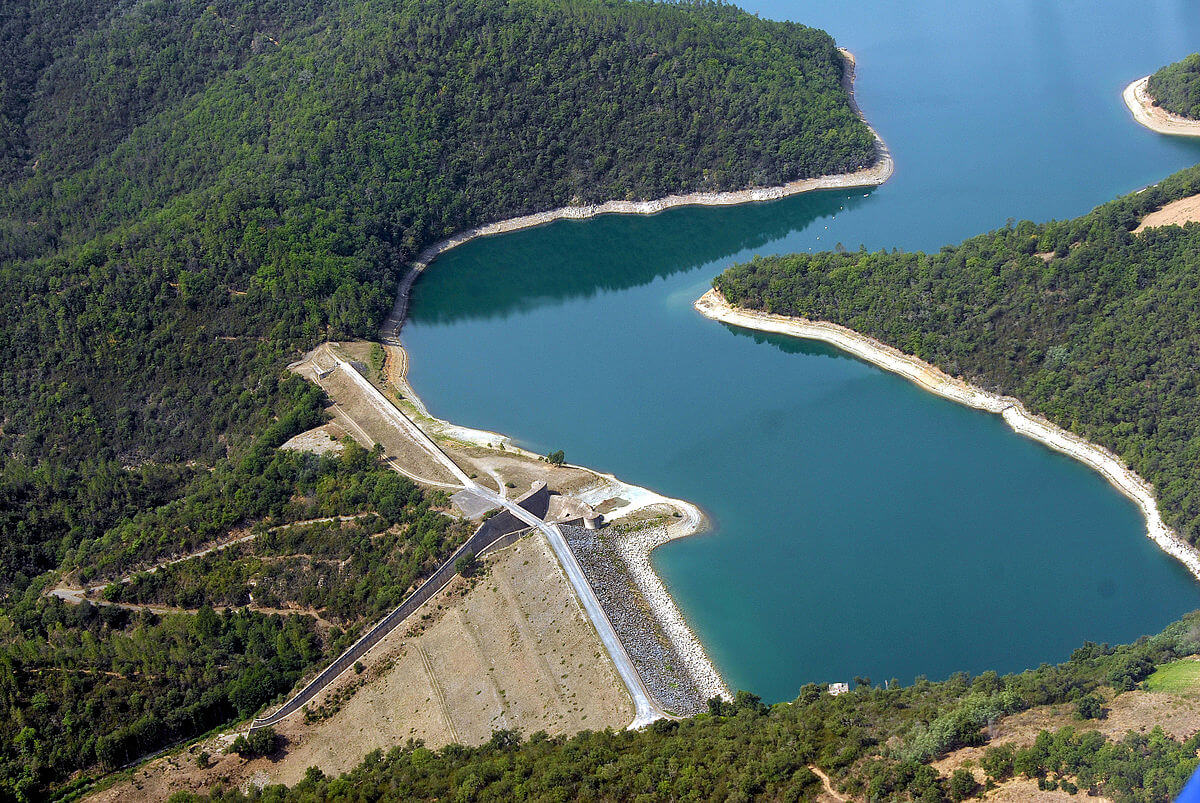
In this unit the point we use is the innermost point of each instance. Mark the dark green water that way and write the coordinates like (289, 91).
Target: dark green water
(862, 526)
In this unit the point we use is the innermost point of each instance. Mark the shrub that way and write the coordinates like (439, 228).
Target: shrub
(1090, 706)
(467, 564)
(963, 784)
(261, 742)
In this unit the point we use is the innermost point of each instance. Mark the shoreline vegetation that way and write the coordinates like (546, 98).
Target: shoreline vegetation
(1139, 102)
(872, 176)
(636, 549)
(713, 305)
(252, 181)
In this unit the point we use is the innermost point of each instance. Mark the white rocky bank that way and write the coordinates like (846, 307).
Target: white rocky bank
(713, 305)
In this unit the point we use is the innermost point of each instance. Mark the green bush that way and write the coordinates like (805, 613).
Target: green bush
(962, 785)
(1176, 87)
(260, 742)
(1090, 706)
(466, 565)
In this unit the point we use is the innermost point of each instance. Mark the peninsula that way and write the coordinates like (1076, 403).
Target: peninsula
(1148, 113)
(714, 305)
(1059, 277)
(1169, 100)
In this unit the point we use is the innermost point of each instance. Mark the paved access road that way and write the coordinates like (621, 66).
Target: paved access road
(483, 538)
(646, 711)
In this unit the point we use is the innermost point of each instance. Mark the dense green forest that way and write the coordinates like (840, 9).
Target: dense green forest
(96, 685)
(877, 740)
(347, 570)
(192, 193)
(1176, 87)
(100, 685)
(202, 188)
(1084, 321)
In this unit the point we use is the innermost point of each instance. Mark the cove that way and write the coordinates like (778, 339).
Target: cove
(861, 526)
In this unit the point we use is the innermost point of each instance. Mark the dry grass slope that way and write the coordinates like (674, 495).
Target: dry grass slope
(513, 651)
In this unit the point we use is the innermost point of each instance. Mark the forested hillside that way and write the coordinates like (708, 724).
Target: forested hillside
(878, 740)
(95, 684)
(193, 192)
(270, 168)
(1087, 323)
(1176, 87)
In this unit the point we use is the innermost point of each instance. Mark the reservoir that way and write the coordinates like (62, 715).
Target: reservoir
(861, 526)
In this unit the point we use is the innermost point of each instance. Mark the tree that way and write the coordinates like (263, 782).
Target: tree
(260, 742)
(466, 565)
(207, 622)
(556, 458)
(997, 762)
(377, 360)
(962, 784)
(1090, 706)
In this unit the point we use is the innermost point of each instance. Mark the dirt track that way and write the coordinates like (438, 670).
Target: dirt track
(513, 652)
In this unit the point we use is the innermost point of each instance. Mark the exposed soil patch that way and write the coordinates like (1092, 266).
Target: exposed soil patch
(325, 439)
(514, 651)
(519, 469)
(1020, 790)
(355, 414)
(1140, 711)
(1176, 213)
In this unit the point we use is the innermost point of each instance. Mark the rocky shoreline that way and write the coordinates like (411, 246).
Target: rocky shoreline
(634, 549)
(713, 305)
(872, 176)
(662, 668)
(1141, 105)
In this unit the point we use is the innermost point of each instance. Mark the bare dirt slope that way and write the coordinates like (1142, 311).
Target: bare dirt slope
(514, 651)
(1141, 711)
(1176, 213)
(354, 413)
(325, 439)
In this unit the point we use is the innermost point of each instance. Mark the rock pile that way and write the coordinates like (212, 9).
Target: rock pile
(662, 669)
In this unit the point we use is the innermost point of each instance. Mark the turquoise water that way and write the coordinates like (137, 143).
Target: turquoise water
(861, 525)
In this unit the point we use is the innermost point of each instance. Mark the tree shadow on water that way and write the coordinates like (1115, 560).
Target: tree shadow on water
(568, 259)
(790, 344)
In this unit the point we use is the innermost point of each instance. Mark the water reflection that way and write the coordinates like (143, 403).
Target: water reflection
(791, 345)
(578, 259)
